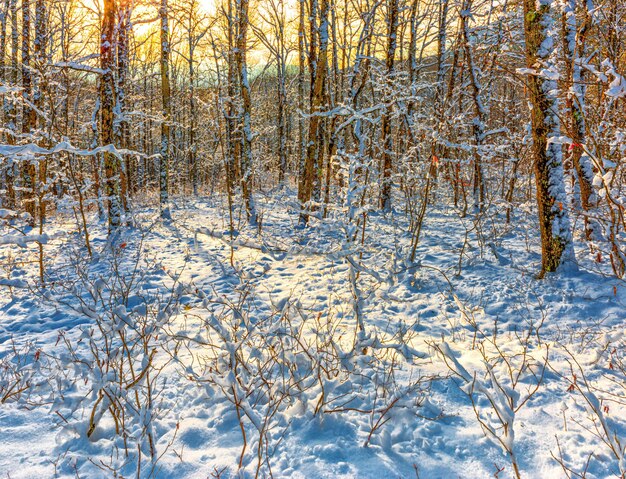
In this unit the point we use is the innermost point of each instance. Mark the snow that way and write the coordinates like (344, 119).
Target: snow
(30, 150)
(22, 240)
(270, 342)
(617, 87)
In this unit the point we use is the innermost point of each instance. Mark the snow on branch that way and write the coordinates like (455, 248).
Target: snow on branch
(80, 67)
(32, 149)
(23, 240)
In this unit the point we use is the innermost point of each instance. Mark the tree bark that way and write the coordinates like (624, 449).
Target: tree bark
(301, 81)
(386, 140)
(478, 124)
(29, 117)
(166, 112)
(246, 109)
(122, 131)
(107, 104)
(556, 243)
(310, 174)
(573, 49)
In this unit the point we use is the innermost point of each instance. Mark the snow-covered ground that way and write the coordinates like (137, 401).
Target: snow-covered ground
(338, 359)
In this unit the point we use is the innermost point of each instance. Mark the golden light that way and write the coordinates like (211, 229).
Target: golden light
(207, 5)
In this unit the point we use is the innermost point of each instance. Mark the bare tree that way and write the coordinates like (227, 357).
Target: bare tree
(310, 176)
(274, 16)
(556, 243)
(573, 39)
(107, 116)
(122, 134)
(29, 115)
(386, 140)
(166, 111)
(246, 109)
(478, 123)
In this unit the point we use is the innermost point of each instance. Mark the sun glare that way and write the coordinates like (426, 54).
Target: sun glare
(207, 5)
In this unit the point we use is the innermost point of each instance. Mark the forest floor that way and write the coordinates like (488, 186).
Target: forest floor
(465, 330)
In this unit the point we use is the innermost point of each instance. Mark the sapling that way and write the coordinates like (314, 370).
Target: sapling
(107, 381)
(596, 400)
(509, 379)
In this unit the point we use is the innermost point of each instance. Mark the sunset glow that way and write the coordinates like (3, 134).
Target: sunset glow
(312, 239)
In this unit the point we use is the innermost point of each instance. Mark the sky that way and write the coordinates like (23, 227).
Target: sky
(208, 5)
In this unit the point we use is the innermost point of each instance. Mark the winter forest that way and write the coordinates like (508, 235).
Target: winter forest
(313, 239)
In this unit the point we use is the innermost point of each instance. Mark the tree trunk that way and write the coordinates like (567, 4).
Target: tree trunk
(386, 140)
(246, 140)
(281, 120)
(439, 89)
(191, 42)
(29, 117)
(9, 201)
(478, 124)
(39, 50)
(573, 49)
(121, 122)
(4, 15)
(233, 171)
(301, 67)
(107, 104)
(167, 113)
(556, 243)
(313, 151)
